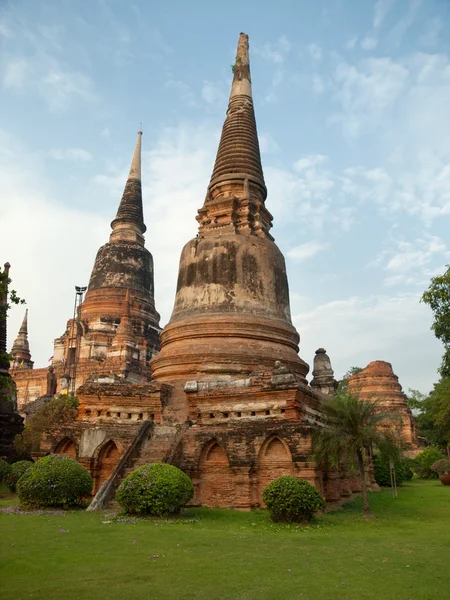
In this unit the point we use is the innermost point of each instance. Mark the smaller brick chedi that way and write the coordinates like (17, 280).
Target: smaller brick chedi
(20, 352)
(378, 381)
(116, 330)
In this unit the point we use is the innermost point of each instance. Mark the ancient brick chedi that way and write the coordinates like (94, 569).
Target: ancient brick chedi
(116, 329)
(379, 382)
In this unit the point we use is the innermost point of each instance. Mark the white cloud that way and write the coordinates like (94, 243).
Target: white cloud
(351, 43)
(78, 154)
(185, 92)
(33, 60)
(366, 91)
(306, 251)
(44, 267)
(412, 262)
(309, 162)
(212, 94)
(401, 27)
(275, 52)
(267, 143)
(432, 30)
(16, 73)
(358, 330)
(381, 10)
(315, 52)
(62, 89)
(318, 84)
(369, 43)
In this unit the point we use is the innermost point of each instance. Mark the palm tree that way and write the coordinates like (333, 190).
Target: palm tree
(352, 430)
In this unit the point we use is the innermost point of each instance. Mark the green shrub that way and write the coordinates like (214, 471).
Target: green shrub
(155, 489)
(17, 470)
(425, 459)
(5, 470)
(292, 499)
(54, 480)
(441, 467)
(382, 474)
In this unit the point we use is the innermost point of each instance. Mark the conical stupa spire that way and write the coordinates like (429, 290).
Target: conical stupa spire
(21, 348)
(236, 193)
(130, 216)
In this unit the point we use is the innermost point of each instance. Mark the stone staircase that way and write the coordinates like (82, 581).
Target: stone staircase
(153, 443)
(160, 447)
(106, 492)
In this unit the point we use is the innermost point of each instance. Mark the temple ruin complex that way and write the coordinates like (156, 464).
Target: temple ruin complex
(221, 392)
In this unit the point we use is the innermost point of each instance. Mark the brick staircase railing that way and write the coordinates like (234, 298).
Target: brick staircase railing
(109, 487)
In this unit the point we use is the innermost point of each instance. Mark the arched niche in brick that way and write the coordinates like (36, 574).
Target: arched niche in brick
(108, 457)
(217, 479)
(67, 447)
(274, 460)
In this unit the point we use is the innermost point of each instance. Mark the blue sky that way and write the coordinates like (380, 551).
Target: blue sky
(352, 104)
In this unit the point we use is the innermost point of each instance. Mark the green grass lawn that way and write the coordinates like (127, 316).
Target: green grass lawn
(403, 553)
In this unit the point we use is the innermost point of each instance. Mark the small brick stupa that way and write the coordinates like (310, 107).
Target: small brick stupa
(378, 381)
(20, 352)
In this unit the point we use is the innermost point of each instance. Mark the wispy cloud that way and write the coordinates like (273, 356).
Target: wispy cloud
(381, 10)
(432, 31)
(77, 154)
(306, 251)
(315, 52)
(369, 43)
(360, 329)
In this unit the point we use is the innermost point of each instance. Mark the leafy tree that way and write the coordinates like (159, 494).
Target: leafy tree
(425, 460)
(351, 431)
(415, 399)
(437, 296)
(61, 410)
(434, 421)
(343, 384)
(433, 413)
(5, 292)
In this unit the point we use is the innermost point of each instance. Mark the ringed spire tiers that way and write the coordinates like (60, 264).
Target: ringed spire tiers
(129, 221)
(237, 191)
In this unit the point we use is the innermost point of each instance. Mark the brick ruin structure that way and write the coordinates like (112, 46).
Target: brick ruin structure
(379, 382)
(226, 397)
(115, 331)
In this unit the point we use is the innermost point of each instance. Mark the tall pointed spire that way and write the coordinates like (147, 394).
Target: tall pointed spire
(237, 191)
(129, 221)
(21, 348)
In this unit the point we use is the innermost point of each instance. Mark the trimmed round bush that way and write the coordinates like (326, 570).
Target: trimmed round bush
(155, 489)
(54, 480)
(382, 472)
(291, 499)
(425, 459)
(5, 470)
(17, 470)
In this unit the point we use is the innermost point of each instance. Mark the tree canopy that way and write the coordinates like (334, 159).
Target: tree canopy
(437, 296)
(354, 428)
